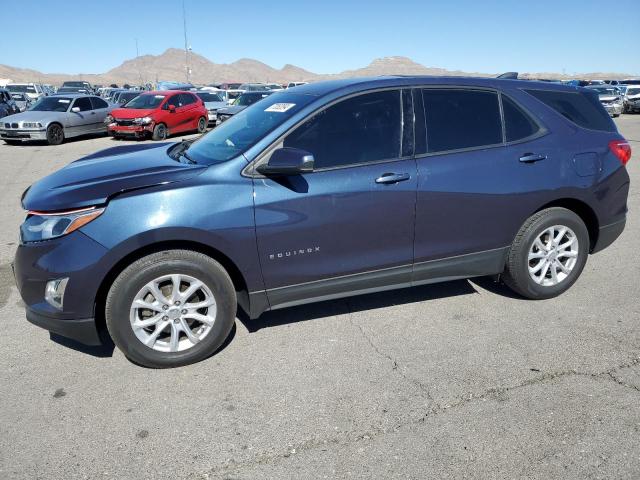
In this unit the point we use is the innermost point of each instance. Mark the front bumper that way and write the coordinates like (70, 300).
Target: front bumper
(613, 108)
(130, 130)
(22, 134)
(213, 116)
(75, 256)
(83, 330)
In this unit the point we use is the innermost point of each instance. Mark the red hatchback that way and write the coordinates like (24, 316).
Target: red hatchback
(158, 114)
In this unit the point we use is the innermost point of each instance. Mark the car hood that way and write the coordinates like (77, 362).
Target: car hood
(34, 116)
(92, 180)
(232, 110)
(131, 112)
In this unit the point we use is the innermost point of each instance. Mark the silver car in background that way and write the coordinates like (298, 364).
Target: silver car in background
(632, 99)
(55, 118)
(23, 101)
(610, 97)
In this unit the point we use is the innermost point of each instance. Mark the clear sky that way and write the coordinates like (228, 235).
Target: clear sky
(328, 36)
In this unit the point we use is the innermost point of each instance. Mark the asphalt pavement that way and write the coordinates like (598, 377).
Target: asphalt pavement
(456, 380)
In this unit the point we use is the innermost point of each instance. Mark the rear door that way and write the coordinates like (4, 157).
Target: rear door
(477, 180)
(349, 225)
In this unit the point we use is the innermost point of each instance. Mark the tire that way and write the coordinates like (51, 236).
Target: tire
(202, 124)
(55, 134)
(160, 132)
(538, 227)
(121, 312)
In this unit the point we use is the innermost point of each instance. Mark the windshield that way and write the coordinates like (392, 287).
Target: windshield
(245, 129)
(247, 99)
(52, 104)
(633, 91)
(125, 97)
(145, 101)
(209, 97)
(21, 88)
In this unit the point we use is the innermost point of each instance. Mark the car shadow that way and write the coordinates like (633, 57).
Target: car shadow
(360, 303)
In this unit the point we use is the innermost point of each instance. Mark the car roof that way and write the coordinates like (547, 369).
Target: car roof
(366, 83)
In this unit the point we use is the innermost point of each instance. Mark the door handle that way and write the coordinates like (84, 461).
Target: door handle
(388, 178)
(532, 157)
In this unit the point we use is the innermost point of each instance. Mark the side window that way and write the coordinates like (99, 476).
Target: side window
(517, 123)
(84, 104)
(175, 101)
(459, 119)
(365, 128)
(187, 99)
(583, 109)
(98, 103)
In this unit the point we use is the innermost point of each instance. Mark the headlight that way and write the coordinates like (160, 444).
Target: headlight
(41, 226)
(142, 121)
(108, 119)
(31, 125)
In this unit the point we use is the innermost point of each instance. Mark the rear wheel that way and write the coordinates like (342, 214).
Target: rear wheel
(548, 254)
(171, 308)
(160, 132)
(202, 125)
(55, 134)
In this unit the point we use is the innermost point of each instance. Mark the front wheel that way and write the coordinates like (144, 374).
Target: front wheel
(171, 308)
(55, 134)
(159, 132)
(202, 125)
(548, 254)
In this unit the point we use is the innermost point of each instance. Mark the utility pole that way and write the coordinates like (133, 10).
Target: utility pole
(138, 63)
(186, 43)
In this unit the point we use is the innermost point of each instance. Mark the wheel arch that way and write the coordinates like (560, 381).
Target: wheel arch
(584, 211)
(234, 272)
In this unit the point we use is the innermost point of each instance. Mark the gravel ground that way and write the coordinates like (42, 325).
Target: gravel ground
(457, 380)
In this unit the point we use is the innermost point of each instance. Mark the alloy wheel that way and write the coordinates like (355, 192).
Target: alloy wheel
(173, 313)
(553, 255)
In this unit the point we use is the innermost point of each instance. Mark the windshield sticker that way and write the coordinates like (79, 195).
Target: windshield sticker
(280, 107)
(64, 100)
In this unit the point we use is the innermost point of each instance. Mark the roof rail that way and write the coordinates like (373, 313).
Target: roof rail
(509, 75)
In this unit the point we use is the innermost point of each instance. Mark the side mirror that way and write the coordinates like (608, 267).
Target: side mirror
(287, 161)
(172, 108)
(75, 109)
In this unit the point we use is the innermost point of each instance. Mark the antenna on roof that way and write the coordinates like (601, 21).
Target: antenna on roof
(509, 75)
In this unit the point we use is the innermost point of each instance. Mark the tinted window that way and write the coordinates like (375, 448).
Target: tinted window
(84, 104)
(175, 101)
(366, 128)
(98, 103)
(518, 124)
(187, 99)
(583, 109)
(461, 119)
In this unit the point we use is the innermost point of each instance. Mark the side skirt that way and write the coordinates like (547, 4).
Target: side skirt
(489, 262)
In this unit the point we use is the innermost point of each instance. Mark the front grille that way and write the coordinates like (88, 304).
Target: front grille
(123, 123)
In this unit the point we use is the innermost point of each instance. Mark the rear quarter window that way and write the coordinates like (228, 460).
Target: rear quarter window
(581, 108)
(518, 124)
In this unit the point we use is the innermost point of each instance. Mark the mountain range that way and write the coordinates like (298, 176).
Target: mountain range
(170, 65)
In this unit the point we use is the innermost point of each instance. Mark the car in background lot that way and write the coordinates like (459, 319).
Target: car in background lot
(253, 87)
(274, 86)
(158, 115)
(610, 97)
(34, 90)
(86, 86)
(23, 101)
(55, 118)
(632, 99)
(230, 86)
(8, 105)
(327, 191)
(295, 84)
(242, 102)
(213, 101)
(71, 90)
(122, 98)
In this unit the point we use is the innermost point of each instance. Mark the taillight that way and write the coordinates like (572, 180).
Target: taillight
(621, 149)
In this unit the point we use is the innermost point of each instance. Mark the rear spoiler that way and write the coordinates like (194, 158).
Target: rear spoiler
(509, 75)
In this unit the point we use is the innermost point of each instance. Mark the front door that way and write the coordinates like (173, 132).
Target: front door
(349, 225)
(84, 120)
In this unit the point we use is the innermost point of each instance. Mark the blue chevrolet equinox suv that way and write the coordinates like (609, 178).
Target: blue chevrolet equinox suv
(318, 192)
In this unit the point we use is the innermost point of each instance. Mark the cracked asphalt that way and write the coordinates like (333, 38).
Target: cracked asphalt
(449, 381)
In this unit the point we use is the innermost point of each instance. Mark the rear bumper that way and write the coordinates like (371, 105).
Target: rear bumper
(608, 234)
(81, 330)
